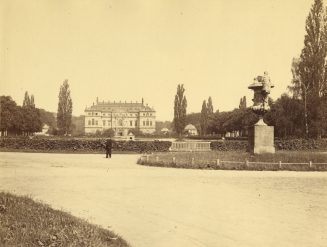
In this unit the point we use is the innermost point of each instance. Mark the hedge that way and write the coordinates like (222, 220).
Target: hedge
(229, 145)
(287, 144)
(80, 145)
(97, 145)
(301, 144)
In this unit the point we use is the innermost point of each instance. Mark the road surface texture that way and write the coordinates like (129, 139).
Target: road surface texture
(169, 207)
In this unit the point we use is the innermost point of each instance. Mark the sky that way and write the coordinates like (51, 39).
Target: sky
(129, 50)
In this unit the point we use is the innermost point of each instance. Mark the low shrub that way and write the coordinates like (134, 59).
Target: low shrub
(301, 144)
(80, 145)
(225, 145)
(281, 144)
(68, 144)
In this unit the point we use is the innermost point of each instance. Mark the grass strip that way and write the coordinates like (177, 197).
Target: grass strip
(24, 222)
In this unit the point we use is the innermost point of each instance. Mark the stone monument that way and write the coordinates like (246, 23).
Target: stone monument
(261, 136)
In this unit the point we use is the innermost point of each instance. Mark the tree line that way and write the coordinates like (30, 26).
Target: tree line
(303, 113)
(286, 114)
(309, 84)
(22, 120)
(28, 119)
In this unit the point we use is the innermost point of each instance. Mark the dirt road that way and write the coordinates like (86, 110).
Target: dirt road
(169, 207)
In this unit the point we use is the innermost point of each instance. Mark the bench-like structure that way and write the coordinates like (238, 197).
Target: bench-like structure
(190, 146)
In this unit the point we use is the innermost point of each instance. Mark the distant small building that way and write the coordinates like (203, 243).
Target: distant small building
(131, 136)
(127, 137)
(191, 130)
(44, 132)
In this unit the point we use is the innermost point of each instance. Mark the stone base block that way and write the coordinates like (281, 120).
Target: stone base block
(261, 139)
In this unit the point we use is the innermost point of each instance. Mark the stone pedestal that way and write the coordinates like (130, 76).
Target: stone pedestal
(261, 139)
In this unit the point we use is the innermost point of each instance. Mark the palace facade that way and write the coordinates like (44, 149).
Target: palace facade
(120, 117)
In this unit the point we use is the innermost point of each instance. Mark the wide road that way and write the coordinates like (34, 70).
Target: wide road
(168, 207)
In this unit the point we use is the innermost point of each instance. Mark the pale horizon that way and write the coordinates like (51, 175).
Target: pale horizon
(129, 50)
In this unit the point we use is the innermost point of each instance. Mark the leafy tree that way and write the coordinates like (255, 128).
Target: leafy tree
(48, 118)
(218, 122)
(240, 120)
(16, 119)
(242, 103)
(32, 101)
(286, 115)
(31, 116)
(210, 115)
(160, 125)
(27, 100)
(236, 120)
(309, 71)
(78, 126)
(204, 118)
(31, 120)
(194, 119)
(65, 109)
(180, 106)
(209, 106)
(8, 114)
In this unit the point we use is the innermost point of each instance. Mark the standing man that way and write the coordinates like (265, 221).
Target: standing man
(108, 148)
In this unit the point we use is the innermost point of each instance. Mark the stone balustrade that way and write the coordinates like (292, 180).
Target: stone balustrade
(190, 146)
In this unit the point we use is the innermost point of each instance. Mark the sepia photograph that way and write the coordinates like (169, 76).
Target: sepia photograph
(163, 123)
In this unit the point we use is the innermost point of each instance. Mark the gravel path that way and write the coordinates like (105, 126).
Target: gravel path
(166, 207)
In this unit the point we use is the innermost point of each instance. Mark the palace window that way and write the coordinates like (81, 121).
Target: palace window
(150, 123)
(108, 122)
(135, 122)
(143, 123)
(147, 123)
(96, 122)
(92, 121)
(104, 122)
(131, 123)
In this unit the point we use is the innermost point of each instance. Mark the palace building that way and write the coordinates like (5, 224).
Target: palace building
(120, 117)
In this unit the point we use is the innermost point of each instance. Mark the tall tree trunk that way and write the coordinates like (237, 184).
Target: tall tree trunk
(306, 115)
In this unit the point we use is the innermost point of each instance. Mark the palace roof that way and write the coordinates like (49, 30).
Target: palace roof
(119, 106)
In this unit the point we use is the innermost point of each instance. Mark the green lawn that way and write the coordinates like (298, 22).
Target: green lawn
(24, 222)
(238, 160)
